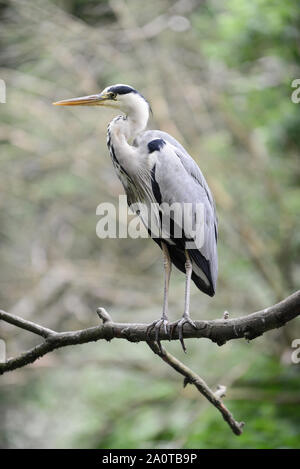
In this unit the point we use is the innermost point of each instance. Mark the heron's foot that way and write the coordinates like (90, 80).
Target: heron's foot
(156, 325)
(179, 324)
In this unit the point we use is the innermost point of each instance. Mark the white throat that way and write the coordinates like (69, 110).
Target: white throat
(123, 129)
(137, 118)
(135, 121)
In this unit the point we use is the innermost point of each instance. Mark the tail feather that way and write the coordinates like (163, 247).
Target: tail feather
(178, 259)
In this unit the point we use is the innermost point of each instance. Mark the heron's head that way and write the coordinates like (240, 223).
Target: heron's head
(121, 97)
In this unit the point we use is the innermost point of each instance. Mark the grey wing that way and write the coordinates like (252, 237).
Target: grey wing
(187, 161)
(178, 179)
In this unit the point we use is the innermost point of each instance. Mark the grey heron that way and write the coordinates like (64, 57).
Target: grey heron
(155, 168)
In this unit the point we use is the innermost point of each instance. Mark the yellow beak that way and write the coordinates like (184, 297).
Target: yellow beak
(92, 100)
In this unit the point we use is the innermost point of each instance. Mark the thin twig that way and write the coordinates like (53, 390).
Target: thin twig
(192, 378)
(24, 324)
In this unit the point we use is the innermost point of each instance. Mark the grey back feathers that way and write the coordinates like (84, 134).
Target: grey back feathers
(180, 180)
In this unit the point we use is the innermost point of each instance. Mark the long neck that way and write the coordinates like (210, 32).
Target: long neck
(121, 132)
(136, 119)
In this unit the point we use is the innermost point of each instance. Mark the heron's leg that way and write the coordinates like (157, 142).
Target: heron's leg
(188, 276)
(167, 274)
(186, 314)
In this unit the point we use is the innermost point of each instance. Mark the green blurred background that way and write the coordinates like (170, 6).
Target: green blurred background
(218, 76)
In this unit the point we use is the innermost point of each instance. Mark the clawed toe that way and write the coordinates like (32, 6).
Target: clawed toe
(156, 325)
(180, 325)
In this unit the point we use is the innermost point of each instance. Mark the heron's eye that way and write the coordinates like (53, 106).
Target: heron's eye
(113, 96)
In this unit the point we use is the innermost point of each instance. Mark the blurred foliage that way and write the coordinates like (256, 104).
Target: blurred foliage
(218, 76)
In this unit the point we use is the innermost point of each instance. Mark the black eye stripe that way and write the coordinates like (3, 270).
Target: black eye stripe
(122, 89)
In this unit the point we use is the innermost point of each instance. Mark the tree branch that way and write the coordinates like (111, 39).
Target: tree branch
(218, 330)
